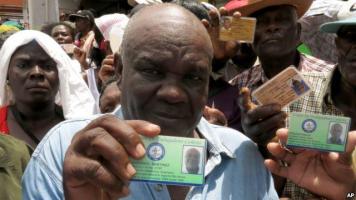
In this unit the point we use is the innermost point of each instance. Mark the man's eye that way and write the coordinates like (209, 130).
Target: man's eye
(193, 78)
(21, 65)
(151, 72)
(49, 66)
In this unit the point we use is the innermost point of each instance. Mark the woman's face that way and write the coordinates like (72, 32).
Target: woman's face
(33, 75)
(62, 35)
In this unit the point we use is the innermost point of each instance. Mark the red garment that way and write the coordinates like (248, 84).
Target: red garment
(4, 129)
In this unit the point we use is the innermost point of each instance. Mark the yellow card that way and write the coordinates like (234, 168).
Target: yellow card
(242, 29)
(285, 88)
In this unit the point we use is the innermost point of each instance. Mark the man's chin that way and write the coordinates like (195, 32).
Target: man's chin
(175, 132)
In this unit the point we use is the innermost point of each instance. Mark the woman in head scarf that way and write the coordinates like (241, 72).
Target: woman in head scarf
(38, 87)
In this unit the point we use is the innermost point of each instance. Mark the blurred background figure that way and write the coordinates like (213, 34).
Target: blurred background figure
(110, 96)
(62, 32)
(84, 24)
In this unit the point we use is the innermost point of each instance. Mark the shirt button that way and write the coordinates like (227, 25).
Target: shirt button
(159, 187)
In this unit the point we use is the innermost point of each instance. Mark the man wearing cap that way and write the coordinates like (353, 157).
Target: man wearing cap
(276, 39)
(84, 23)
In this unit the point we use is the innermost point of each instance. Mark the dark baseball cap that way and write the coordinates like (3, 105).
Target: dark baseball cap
(87, 14)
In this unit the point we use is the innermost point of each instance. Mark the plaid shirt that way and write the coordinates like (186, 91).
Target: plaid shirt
(254, 77)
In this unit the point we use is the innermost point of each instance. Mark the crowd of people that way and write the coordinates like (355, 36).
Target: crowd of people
(77, 95)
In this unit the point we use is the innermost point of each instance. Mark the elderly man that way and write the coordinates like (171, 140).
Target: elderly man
(192, 161)
(276, 39)
(165, 70)
(335, 134)
(164, 80)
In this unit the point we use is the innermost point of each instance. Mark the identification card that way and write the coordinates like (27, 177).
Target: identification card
(284, 89)
(321, 132)
(242, 29)
(172, 161)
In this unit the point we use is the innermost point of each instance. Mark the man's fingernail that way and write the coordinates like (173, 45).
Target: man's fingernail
(130, 169)
(140, 150)
(153, 127)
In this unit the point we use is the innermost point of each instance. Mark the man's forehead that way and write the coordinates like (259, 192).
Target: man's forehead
(170, 19)
(193, 151)
(173, 29)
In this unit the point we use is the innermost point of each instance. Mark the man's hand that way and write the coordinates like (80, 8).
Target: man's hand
(107, 69)
(222, 50)
(260, 123)
(96, 165)
(325, 174)
(214, 116)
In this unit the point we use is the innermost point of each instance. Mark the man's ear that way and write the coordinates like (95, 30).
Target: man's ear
(118, 66)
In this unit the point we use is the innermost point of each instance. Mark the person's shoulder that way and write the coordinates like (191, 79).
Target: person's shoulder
(42, 178)
(312, 63)
(244, 76)
(60, 136)
(13, 151)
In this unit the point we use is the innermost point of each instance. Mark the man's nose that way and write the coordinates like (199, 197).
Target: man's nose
(172, 93)
(60, 36)
(36, 72)
(272, 28)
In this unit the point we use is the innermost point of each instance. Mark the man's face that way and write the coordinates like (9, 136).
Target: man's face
(33, 75)
(346, 47)
(165, 77)
(82, 24)
(336, 130)
(277, 31)
(62, 35)
(192, 160)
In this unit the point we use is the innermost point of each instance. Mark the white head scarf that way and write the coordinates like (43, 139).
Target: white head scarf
(74, 96)
(106, 22)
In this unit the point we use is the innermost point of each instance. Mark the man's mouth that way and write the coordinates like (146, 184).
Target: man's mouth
(270, 40)
(169, 115)
(38, 89)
